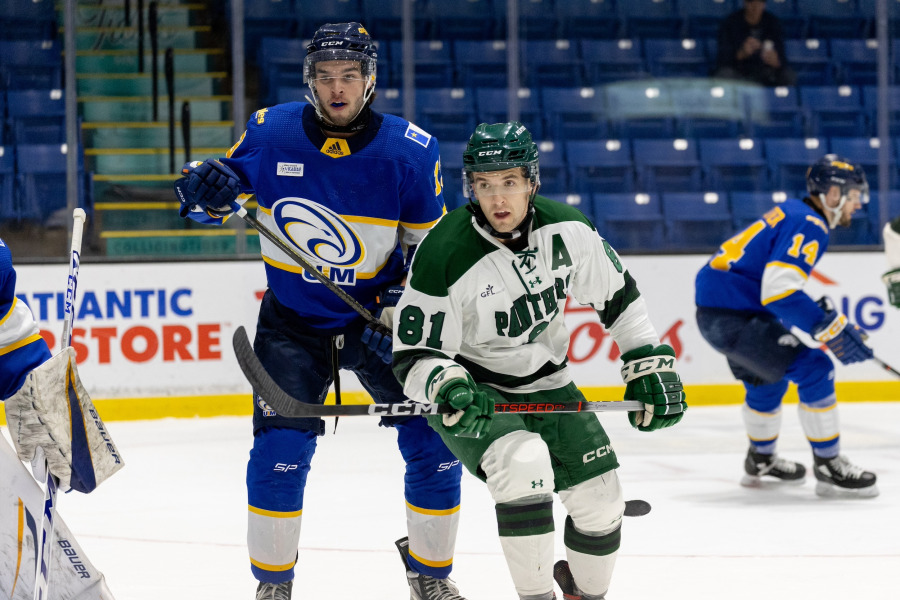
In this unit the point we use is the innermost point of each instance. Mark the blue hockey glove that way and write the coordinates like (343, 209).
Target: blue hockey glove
(649, 375)
(845, 340)
(378, 338)
(208, 185)
(474, 409)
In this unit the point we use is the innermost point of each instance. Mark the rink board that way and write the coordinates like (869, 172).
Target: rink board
(154, 340)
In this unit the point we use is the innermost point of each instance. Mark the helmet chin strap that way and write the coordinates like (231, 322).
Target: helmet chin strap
(357, 123)
(834, 214)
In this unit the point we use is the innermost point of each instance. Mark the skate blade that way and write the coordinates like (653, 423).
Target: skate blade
(827, 490)
(753, 481)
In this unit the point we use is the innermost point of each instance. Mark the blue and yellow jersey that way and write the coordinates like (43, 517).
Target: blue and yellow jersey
(21, 346)
(765, 267)
(346, 205)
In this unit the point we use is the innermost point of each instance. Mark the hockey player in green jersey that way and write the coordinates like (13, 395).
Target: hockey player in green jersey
(481, 322)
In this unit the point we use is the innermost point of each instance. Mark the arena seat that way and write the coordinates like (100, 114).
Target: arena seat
(629, 221)
(696, 220)
(600, 165)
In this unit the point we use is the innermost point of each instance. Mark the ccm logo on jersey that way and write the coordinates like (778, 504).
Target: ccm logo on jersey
(290, 169)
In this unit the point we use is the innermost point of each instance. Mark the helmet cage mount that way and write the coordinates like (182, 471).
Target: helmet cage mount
(341, 42)
(834, 171)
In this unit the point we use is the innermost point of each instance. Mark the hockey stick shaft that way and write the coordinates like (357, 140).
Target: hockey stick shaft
(287, 406)
(305, 264)
(51, 483)
(886, 366)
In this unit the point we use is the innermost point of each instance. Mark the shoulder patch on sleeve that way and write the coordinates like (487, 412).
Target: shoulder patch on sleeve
(418, 135)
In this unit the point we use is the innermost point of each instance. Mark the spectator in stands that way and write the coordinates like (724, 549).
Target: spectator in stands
(892, 252)
(751, 47)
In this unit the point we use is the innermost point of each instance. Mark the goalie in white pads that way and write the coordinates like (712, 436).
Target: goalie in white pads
(481, 320)
(891, 279)
(48, 411)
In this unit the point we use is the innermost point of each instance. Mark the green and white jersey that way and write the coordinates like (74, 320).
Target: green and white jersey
(471, 301)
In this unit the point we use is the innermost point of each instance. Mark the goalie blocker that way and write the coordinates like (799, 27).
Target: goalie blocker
(52, 411)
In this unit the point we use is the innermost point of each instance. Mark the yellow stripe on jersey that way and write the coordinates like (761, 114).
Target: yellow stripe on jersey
(291, 268)
(235, 147)
(790, 270)
(276, 514)
(428, 225)
(432, 511)
(20, 344)
(11, 309)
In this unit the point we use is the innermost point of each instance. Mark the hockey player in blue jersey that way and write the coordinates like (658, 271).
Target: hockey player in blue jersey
(750, 294)
(353, 191)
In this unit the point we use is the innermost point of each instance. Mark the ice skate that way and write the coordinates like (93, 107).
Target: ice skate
(274, 591)
(763, 468)
(566, 583)
(838, 477)
(424, 587)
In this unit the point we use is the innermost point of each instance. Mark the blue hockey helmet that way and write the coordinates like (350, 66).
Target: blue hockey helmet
(835, 171)
(341, 41)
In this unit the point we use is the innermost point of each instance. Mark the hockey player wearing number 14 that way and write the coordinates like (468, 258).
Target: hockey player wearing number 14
(750, 294)
(481, 321)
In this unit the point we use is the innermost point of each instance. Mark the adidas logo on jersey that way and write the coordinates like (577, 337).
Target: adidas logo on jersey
(335, 148)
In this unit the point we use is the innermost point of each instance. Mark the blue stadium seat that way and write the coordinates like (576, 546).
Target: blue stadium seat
(432, 59)
(268, 18)
(38, 116)
(630, 221)
(774, 112)
(677, 57)
(553, 168)
(451, 172)
(537, 19)
(280, 61)
(702, 17)
(481, 63)
(467, 20)
(607, 61)
(748, 207)
(447, 113)
(696, 220)
(492, 105)
(312, 14)
(551, 63)
(793, 23)
(3, 133)
(30, 64)
(811, 61)
(856, 61)
(734, 164)
(865, 152)
(789, 158)
(707, 108)
(650, 18)
(41, 179)
(600, 166)
(588, 19)
(8, 211)
(574, 113)
(389, 101)
(580, 201)
(384, 19)
(27, 20)
(834, 110)
(870, 106)
(639, 109)
(874, 211)
(833, 18)
(667, 165)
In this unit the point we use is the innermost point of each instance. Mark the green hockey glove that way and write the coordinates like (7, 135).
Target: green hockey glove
(892, 280)
(474, 409)
(650, 377)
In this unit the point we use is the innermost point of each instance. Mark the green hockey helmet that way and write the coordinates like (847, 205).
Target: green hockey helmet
(499, 147)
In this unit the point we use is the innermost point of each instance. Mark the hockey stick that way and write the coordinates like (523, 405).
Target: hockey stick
(305, 264)
(51, 483)
(886, 366)
(288, 406)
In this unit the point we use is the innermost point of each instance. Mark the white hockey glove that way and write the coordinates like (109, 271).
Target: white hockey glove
(53, 411)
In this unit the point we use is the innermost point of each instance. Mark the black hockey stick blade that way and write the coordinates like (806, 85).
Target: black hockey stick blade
(636, 508)
(287, 406)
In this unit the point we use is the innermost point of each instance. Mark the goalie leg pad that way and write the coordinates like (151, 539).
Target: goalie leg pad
(53, 410)
(517, 466)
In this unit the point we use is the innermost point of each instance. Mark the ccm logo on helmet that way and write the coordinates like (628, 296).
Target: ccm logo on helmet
(490, 152)
(334, 43)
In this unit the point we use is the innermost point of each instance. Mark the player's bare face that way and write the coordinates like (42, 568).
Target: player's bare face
(503, 197)
(853, 204)
(341, 89)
